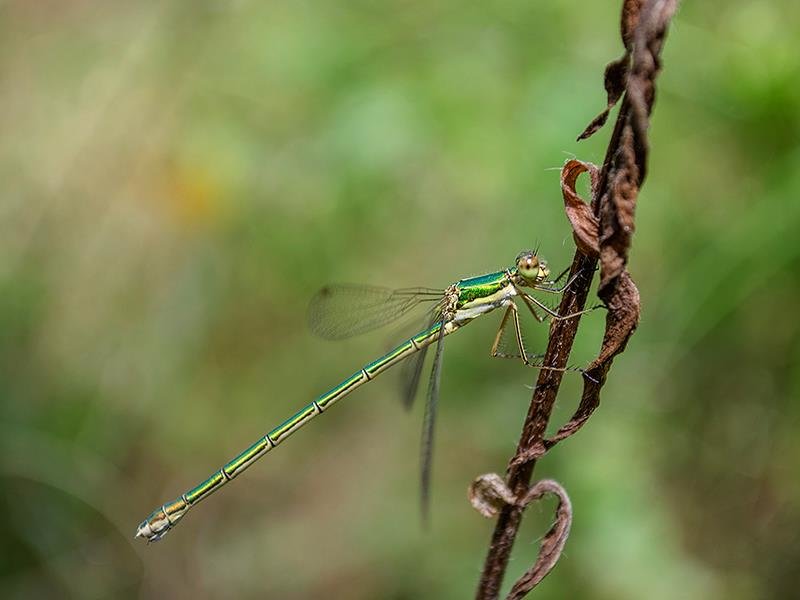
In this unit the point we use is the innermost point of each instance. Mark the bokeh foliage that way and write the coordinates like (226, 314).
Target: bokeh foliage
(176, 180)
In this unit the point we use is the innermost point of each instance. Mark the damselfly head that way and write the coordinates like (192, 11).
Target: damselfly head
(532, 268)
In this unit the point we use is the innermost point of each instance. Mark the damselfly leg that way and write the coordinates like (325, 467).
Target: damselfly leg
(532, 303)
(511, 317)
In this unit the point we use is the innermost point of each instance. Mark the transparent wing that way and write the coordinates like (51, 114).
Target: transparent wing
(343, 310)
(428, 428)
(531, 337)
(411, 369)
(507, 344)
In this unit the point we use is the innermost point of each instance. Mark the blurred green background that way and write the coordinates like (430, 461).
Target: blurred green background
(178, 178)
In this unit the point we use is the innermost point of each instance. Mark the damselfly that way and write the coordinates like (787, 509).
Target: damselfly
(340, 311)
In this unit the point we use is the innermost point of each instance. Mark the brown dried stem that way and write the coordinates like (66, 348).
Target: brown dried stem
(602, 234)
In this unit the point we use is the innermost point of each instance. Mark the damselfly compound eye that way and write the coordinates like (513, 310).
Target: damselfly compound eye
(528, 265)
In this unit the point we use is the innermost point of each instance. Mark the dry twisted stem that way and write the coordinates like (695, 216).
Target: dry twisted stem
(602, 233)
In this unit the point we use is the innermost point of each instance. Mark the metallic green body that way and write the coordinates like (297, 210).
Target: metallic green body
(482, 286)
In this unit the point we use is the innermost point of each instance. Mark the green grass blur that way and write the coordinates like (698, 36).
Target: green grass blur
(178, 178)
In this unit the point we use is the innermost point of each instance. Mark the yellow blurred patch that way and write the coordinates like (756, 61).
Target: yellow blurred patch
(193, 196)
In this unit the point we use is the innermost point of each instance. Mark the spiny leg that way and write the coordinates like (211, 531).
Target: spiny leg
(530, 301)
(560, 276)
(518, 334)
(546, 286)
(513, 312)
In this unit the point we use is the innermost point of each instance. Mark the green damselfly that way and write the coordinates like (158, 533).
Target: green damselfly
(340, 311)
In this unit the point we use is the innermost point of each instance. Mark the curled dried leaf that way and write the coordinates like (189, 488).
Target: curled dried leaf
(585, 224)
(553, 541)
(622, 319)
(615, 78)
(617, 210)
(489, 492)
(614, 81)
